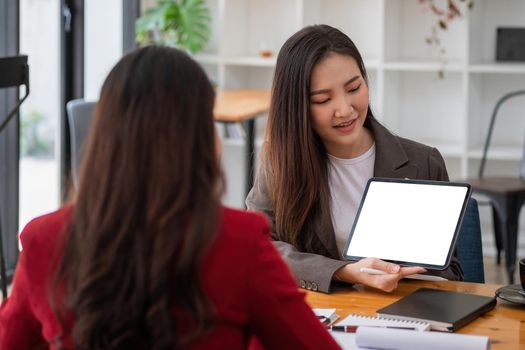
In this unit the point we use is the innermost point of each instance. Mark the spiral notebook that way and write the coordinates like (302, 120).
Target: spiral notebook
(360, 320)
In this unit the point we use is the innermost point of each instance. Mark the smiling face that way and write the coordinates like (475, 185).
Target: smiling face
(339, 105)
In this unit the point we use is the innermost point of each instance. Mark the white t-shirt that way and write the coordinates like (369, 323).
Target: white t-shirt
(347, 180)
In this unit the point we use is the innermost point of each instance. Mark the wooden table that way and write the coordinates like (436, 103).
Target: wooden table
(505, 325)
(236, 106)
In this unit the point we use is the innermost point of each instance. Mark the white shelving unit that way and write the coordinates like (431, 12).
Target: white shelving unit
(406, 92)
(407, 95)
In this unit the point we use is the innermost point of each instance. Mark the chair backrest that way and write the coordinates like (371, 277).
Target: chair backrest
(502, 100)
(469, 247)
(522, 167)
(79, 114)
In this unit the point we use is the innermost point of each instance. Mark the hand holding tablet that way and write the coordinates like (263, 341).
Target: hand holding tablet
(385, 275)
(372, 271)
(416, 276)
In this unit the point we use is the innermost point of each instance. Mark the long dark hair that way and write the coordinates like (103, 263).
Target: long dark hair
(295, 155)
(146, 208)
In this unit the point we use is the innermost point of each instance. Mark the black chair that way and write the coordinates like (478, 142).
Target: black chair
(506, 196)
(469, 247)
(79, 114)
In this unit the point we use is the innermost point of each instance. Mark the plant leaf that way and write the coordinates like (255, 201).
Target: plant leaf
(182, 23)
(195, 24)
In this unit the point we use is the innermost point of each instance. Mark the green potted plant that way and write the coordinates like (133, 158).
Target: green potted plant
(181, 23)
(35, 136)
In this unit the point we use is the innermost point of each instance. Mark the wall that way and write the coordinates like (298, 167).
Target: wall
(103, 42)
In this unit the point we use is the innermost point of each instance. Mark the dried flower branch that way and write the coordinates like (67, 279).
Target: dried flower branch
(445, 14)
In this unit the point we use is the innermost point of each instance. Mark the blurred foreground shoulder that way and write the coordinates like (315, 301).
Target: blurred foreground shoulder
(240, 221)
(45, 230)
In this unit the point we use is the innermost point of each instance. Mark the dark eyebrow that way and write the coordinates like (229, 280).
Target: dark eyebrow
(324, 91)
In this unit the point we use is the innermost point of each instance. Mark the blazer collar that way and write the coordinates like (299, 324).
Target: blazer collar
(391, 159)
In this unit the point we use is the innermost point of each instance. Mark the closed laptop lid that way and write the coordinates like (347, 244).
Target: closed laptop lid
(409, 222)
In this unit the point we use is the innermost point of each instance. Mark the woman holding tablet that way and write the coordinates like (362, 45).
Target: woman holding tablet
(323, 144)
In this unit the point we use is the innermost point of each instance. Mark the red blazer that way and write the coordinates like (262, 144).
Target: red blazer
(250, 286)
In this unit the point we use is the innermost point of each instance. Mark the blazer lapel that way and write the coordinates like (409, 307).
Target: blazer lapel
(391, 160)
(326, 234)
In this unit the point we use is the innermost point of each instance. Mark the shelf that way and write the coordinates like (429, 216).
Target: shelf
(484, 20)
(251, 61)
(446, 149)
(206, 58)
(408, 24)
(504, 68)
(511, 152)
(257, 61)
(423, 66)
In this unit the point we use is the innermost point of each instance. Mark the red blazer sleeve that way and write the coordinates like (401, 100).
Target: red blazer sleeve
(19, 328)
(279, 315)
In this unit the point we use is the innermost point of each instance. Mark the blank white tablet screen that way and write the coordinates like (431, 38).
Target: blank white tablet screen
(407, 222)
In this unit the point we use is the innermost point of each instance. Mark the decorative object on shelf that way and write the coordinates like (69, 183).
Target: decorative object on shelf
(510, 44)
(265, 50)
(266, 53)
(181, 23)
(445, 15)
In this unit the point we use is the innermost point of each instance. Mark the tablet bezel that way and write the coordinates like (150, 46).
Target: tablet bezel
(409, 181)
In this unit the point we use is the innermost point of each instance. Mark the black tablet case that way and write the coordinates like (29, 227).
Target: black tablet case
(431, 182)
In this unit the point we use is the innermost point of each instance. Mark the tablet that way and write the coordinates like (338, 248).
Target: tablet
(409, 222)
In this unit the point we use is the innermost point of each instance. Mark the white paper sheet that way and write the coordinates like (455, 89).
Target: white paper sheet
(381, 338)
(322, 312)
(345, 340)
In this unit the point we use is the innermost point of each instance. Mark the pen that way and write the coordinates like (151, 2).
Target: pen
(346, 329)
(353, 328)
(372, 271)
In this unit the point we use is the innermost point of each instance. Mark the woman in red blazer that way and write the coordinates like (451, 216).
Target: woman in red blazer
(146, 257)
